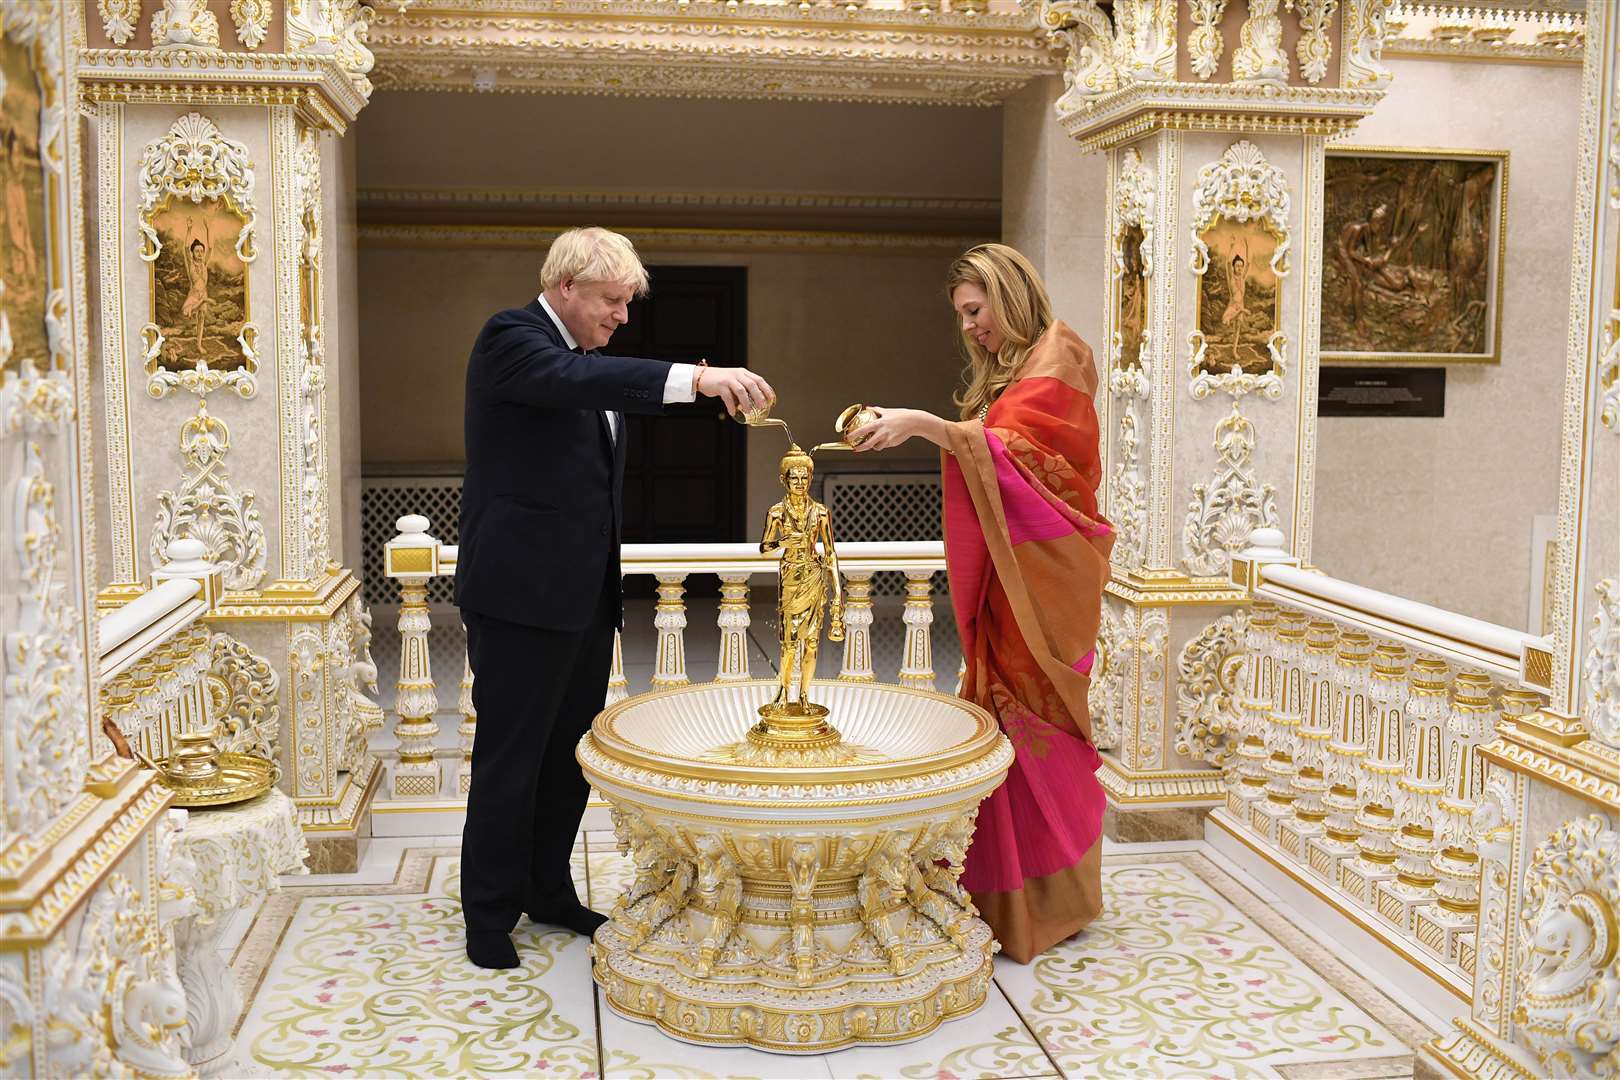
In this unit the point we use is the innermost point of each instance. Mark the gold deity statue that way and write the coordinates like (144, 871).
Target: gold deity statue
(801, 529)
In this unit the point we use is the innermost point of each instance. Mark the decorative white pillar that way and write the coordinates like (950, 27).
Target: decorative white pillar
(468, 729)
(1214, 146)
(412, 559)
(1418, 794)
(1441, 925)
(670, 619)
(1351, 705)
(733, 622)
(857, 665)
(220, 419)
(1381, 769)
(917, 664)
(1315, 732)
(618, 687)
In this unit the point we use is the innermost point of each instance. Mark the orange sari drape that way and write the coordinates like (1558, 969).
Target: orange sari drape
(1028, 557)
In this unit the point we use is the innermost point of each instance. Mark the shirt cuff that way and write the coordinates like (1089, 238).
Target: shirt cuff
(678, 386)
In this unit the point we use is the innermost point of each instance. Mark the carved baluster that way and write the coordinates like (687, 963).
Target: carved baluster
(1247, 779)
(1342, 800)
(149, 731)
(1417, 799)
(168, 715)
(1282, 725)
(1315, 732)
(468, 730)
(1381, 768)
(618, 687)
(671, 622)
(1439, 926)
(412, 560)
(733, 621)
(917, 668)
(857, 627)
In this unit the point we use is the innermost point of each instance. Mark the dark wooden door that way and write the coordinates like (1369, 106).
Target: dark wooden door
(685, 472)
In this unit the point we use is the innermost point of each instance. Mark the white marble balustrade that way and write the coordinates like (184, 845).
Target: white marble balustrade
(414, 557)
(156, 659)
(1358, 720)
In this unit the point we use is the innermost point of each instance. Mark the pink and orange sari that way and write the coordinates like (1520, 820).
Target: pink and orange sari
(1028, 558)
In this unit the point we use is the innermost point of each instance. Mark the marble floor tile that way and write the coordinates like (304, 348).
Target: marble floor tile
(637, 1051)
(1187, 974)
(1174, 980)
(987, 1045)
(379, 985)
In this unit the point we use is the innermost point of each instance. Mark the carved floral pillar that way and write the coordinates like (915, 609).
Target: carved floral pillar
(88, 985)
(1547, 820)
(1214, 134)
(214, 149)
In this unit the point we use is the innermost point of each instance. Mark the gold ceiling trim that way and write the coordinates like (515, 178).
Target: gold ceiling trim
(533, 198)
(704, 48)
(324, 93)
(1124, 115)
(726, 241)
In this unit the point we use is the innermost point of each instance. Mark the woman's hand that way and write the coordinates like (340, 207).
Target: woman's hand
(895, 426)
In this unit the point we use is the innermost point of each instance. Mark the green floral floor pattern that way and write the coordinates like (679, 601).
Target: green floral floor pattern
(1186, 974)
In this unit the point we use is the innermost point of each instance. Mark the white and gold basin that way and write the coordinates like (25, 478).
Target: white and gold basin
(802, 901)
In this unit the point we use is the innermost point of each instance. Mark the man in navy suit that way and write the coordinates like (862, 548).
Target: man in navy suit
(537, 578)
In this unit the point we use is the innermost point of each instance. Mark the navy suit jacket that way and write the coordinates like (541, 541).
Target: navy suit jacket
(541, 502)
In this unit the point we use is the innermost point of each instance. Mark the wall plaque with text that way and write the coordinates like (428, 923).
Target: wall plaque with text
(1382, 391)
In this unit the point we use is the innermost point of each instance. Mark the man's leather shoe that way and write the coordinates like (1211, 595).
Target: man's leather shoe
(489, 949)
(576, 917)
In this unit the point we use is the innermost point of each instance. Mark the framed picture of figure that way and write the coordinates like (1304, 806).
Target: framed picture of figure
(26, 246)
(1239, 305)
(199, 284)
(1130, 316)
(1412, 244)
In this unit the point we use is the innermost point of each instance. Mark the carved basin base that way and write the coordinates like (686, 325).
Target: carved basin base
(796, 909)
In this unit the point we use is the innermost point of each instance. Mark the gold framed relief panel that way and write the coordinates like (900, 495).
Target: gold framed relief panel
(1240, 249)
(1414, 240)
(32, 300)
(197, 223)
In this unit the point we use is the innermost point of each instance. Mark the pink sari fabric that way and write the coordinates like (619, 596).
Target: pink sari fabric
(1027, 556)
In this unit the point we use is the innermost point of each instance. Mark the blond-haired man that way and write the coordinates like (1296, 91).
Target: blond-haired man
(537, 579)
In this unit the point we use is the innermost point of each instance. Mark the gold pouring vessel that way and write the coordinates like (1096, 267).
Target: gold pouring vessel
(200, 774)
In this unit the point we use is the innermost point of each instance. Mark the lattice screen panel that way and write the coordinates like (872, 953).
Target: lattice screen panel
(885, 506)
(386, 499)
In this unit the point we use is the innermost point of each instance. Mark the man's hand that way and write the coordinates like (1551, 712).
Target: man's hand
(740, 389)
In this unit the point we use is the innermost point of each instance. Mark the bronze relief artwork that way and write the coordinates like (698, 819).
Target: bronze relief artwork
(1239, 299)
(23, 264)
(199, 284)
(1412, 255)
(1131, 316)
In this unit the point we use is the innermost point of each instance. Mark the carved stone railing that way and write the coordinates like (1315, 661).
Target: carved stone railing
(1354, 725)
(154, 652)
(414, 557)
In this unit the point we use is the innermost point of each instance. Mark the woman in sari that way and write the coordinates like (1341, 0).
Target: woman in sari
(1027, 555)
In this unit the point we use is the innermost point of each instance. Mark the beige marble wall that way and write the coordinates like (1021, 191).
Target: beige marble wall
(1053, 206)
(825, 329)
(1440, 510)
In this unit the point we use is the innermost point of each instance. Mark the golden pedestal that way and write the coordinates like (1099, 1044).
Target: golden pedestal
(796, 890)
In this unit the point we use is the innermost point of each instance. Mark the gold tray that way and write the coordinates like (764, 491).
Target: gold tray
(241, 777)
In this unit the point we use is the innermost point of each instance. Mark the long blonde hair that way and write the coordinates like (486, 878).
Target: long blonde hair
(1022, 309)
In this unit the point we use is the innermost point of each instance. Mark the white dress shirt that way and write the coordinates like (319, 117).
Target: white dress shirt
(677, 387)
